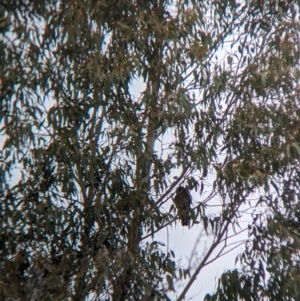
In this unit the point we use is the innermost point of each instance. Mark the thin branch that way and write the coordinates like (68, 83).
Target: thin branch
(201, 265)
(172, 186)
(194, 249)
(235, 234)
(167, 224)
(209, 253)
(228, 251)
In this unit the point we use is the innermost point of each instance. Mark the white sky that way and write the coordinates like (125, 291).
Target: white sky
(182, 240)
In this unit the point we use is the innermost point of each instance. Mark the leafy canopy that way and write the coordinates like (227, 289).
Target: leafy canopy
(88, 165)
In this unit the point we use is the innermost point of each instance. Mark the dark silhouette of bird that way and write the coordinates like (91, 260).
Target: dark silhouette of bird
(183, 201)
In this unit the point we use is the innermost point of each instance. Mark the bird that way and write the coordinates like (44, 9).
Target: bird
(183, 201)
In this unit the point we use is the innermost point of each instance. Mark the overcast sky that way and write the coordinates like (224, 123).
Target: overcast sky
(182, 240)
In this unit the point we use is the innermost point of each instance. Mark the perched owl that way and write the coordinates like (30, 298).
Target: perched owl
(183, 201)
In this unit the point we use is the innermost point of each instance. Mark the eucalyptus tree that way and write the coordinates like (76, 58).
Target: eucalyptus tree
(85, 173)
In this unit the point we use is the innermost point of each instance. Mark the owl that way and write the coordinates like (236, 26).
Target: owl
(183, 201)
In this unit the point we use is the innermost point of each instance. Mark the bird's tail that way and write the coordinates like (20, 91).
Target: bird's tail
(185, 219)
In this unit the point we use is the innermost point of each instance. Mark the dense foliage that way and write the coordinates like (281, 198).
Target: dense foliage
(85, 169)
